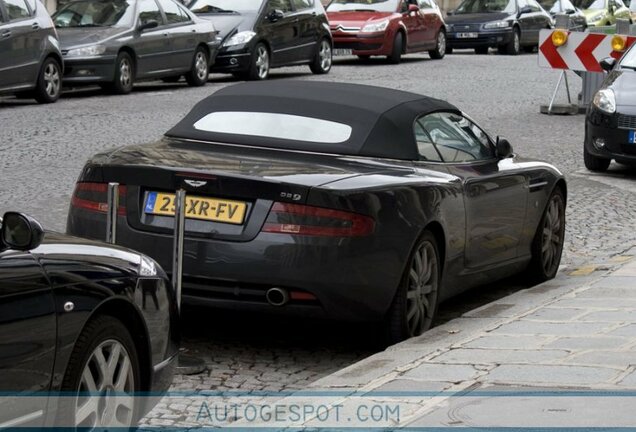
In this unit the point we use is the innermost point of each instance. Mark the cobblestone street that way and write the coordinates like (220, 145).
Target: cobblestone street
(44, 147)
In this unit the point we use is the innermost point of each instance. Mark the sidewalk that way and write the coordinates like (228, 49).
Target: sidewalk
(540, 349)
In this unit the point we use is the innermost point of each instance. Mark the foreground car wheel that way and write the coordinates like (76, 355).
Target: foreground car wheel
(595, 163)
(124, 75)
(49, 83)
(322, 59)
(398, 45)
(259, 68)
(199, 72)
(104, 371)
(440, 49)
(547, 245)
(514, 46)
(415, 303)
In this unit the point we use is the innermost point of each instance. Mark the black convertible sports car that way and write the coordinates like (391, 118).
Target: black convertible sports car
(84, 327)
(339, 200)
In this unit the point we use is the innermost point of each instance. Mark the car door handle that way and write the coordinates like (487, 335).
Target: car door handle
(35, 26)
(6, 33)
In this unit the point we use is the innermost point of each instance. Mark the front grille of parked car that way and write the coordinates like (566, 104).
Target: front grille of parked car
(462, 28)
(626, 121)
(341, 28)
(358, 46)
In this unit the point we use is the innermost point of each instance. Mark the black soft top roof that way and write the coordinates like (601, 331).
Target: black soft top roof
(381, 119)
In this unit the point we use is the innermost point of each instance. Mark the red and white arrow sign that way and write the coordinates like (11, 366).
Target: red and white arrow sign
(581, 52)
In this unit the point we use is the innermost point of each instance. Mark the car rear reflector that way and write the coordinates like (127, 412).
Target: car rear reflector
(306, 220)
(93, 197)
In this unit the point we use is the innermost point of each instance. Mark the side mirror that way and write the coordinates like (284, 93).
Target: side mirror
(504, 149)
(525, 10)
(148, 25)
(275, 15)
(413, 8)
(21, 232)
(607, 64)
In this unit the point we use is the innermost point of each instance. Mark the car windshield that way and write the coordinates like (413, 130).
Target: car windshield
(225, 6)
(590, 4)
(95, 13)
(487, 6)
(557, 6)
(363, 5)
(629, 59)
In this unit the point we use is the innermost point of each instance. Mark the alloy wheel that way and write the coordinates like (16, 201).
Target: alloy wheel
(125, 73)
(421, 294)
(201, 66)
(262, 62)
(552, 235)
(516, 42)
(52, 79)
(106, 388)
(441, 43)
(325, 55)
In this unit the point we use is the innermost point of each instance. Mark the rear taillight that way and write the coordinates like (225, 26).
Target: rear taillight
(298, 219)
(93, 197)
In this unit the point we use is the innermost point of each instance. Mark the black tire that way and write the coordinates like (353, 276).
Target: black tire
(547, 245)
(172, 79)
(48, 86)
(397, 325)
(96, 336)
(323, 58)
(514, 46)
(398, 47)
(259, 64)
(481, 50)
(595, 163)
(440, 48)
(124, 78)
(529, 49)
(200, 68)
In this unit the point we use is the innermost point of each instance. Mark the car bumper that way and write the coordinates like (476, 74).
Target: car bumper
(364, 44)
(345, 279)
(613, 133)
(483, 39)
(89, 69)
(232, 60)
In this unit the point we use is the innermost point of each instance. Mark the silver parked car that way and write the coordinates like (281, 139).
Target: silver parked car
(116, 42)
(30, 57)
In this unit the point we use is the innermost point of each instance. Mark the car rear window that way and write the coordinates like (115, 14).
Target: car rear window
(275, 125)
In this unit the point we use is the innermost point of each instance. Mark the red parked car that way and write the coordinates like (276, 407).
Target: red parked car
(387, 28)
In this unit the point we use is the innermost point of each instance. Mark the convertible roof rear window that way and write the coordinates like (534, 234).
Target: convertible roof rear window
(275, 125)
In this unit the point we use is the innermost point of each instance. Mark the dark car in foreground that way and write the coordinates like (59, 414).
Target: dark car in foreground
(336, 200)
(508, 25)
(30, 57)
(117, 42)
(85, 328)
(259, 35)
(610, 123)
(387, 28)
(576, 15)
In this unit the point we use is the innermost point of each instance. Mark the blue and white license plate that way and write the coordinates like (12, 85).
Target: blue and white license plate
(632, 137)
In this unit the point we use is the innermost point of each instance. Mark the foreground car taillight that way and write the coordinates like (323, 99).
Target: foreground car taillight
(298, 219)
(93, 197)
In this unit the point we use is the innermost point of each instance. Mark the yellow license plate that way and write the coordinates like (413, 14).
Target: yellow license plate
(211, 209)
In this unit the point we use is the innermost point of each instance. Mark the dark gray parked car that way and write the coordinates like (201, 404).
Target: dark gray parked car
(116, 42)
(30, 57)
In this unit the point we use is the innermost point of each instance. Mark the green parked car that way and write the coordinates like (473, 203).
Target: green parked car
(603, 12)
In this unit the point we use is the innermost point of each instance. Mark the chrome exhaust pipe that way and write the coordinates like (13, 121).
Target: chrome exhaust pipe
(277, 296)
